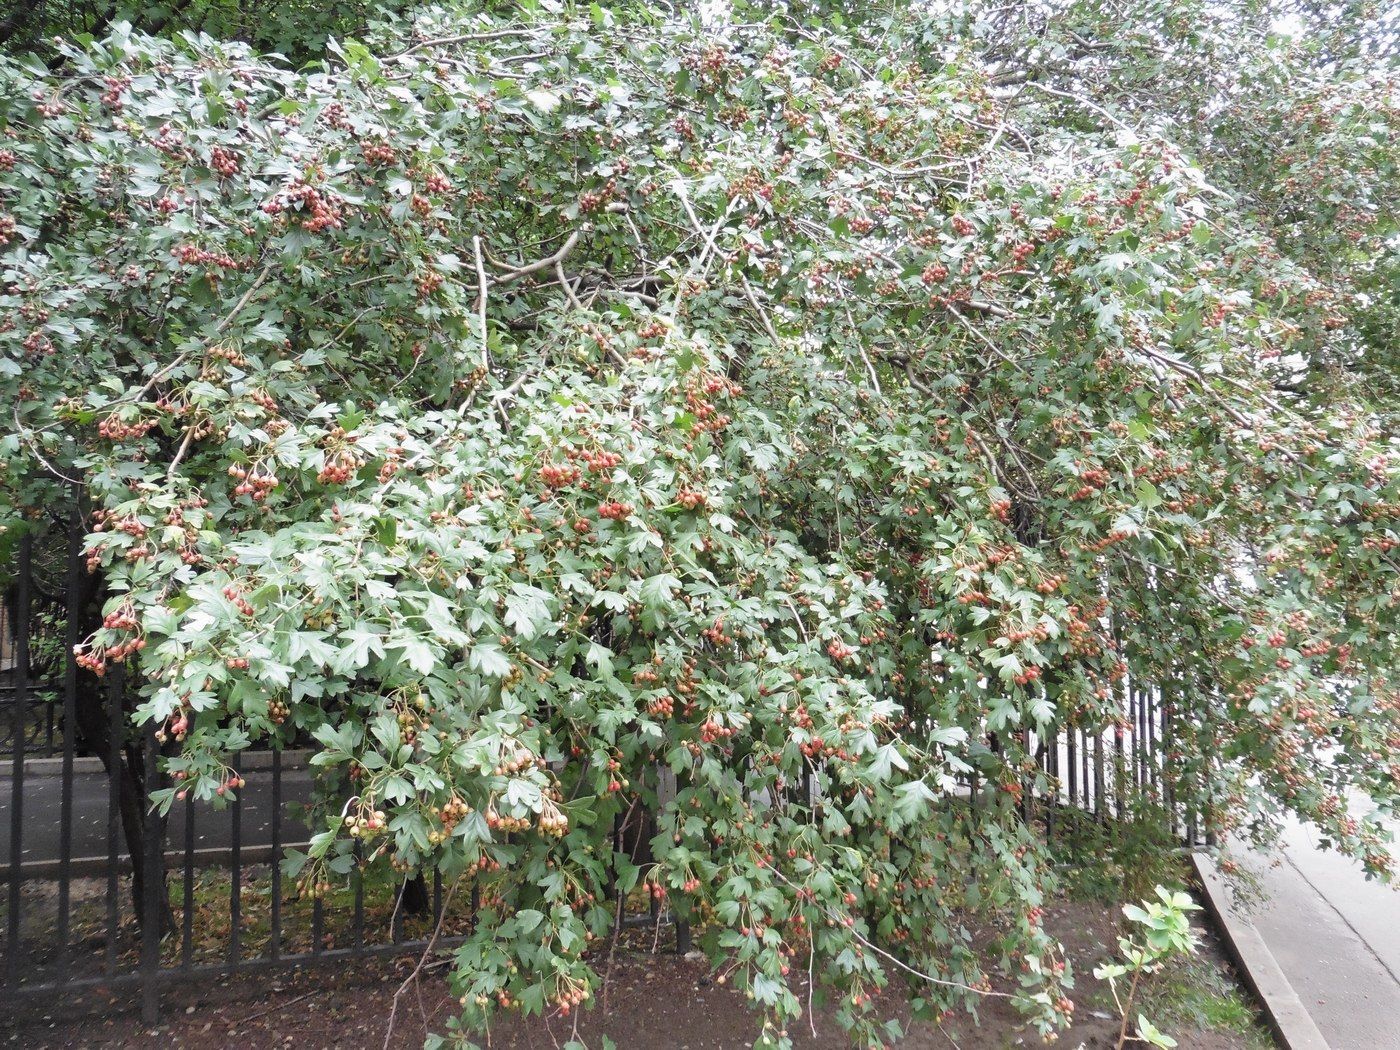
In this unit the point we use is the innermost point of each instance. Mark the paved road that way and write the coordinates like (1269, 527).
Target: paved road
(1336, 936)
(42, 810)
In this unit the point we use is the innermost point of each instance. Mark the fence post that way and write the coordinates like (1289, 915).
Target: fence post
(72, 588)
(115, 685)
(21, 704)
(152, 886)
(235, 890)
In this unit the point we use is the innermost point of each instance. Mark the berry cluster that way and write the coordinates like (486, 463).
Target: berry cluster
(366, 824)
(335, 115)
(710, 731)
(714, 634)
(234, 594)
(319, 209)
(452, 812)
(1030, 674)
(258, 483)
(496, 822)
(114, 429)
(338, 469)
(194, 255)
(176, 729)
(615, 510)
(1115, 536)
(123, 618)
(839, 650)
(558, 476)
(228, 355)
(934, 273)
(115, 88)
(428, 282)
(378, 153)
(661, 706)
(552, 820)
(594, 200)
(223, 161)
(1093, 478)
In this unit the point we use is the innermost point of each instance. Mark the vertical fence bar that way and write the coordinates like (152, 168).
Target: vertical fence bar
(396, 916)
(1100, 803)
(21, 703)
(1145, 738)
(1028, 792)
(1120, 773)
(437, 897)
(1168, 763)
(152, 885)
(235, 890)
(1154, 756)
(1135, 748)
(1190, 780)
(1208, 818)
(617, 849)
(317, 921)
(1072, 764)
(73, 583)
(1086, 741)
(357, 880)
(115, 687)
(275, 935)
(187, 918)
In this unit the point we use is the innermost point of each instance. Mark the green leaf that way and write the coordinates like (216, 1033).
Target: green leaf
(490, 660)
(1149, 1032)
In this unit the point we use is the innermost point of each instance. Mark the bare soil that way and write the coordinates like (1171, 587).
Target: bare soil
(655, 1002)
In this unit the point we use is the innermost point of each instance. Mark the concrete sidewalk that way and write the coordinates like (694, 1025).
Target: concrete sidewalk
(1336, 938)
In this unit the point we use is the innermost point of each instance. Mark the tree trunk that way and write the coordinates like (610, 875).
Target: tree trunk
(93, 732)
(415, 897)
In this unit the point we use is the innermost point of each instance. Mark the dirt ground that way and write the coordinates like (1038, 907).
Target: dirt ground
(656, 1002)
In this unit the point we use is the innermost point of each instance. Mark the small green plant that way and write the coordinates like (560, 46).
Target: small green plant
(1166, 933)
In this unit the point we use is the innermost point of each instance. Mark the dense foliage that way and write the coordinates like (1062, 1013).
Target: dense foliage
(298, 29)
(754, 424)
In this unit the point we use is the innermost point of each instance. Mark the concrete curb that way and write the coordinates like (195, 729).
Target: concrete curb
(1288, 1018)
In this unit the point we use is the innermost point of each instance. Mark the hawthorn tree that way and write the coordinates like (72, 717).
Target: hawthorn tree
(297, 29)
(755, 424)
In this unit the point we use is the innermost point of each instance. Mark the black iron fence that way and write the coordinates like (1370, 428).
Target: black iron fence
(102, 892)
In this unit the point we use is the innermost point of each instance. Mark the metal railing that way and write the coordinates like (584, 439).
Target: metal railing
(102, 891)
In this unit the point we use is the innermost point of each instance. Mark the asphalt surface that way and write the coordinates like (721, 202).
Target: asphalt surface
(41, 811)
(1336, 937)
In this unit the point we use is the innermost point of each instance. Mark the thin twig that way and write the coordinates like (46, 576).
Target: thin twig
(482, 285)
(898, 962)
(538, 264)
(224, 322)
(34, 448)
(412, 978)
(274, 1009)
